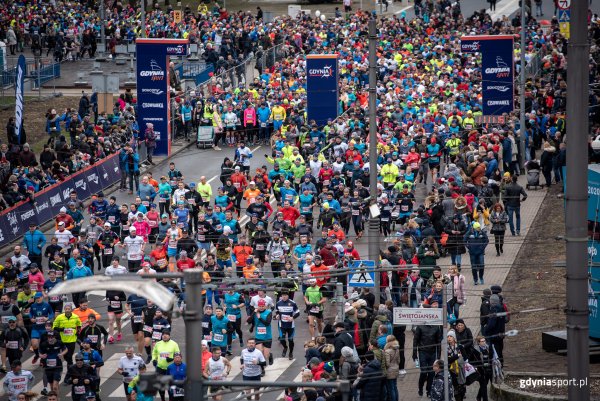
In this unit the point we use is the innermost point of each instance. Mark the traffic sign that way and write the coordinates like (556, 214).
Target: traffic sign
(564, 4)
(564, 15)
(362, 273)
(565, 29)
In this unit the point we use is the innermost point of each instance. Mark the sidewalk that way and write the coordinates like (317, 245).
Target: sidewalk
(496, 271)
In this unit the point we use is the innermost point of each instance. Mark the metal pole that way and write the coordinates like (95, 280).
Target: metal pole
(445, 341)
(339, 288)
(373, 222)
(577, 309)
(522, 149)
(102, 28)
(143, 18)
(193, 327)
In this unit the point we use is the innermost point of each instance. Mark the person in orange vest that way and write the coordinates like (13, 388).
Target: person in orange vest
(83, 311)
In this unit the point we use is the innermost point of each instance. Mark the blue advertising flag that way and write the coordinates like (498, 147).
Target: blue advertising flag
(497, 71)
(19, 91)
(322, 87)
(152, 92)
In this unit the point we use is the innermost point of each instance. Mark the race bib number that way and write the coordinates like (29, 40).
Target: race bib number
(316, 139)
(55, 299)
(315, 309)
(217, 337)
(68, 332)
(7, 290)
(172, 243)
(125, 227)
(156, 335)
(148, 329)
(138, 319)
(152, 223)
(111, 219)
(355, 212)
(232, 318)
(50, 363)
(162, 262)
(385, 219)
(12, 344)
(115, 304)
(192, 201)
(146, 203)
(164, 355)
(162, 200)
(205, 325)
(201, 237)
(395, 214)
(305, 209)
(326, 183)
(108, 251)
(93, 339)
(261, 330)
(40, 320)
(263, 125)
(287, 318)
(260, 247)
(178, 392)
(404, 208)
(237, 185)
(79, 390)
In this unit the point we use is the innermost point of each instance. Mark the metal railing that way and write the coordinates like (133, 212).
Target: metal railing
(534, 66)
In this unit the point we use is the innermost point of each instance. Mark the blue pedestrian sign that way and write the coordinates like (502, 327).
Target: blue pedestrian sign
(564, 15)
(362, 273)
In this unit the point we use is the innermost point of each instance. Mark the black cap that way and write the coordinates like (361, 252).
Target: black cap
(166, 331)
(339, 325)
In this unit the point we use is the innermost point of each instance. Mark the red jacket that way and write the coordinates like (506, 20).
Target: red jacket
(290, 214)
(239, 181)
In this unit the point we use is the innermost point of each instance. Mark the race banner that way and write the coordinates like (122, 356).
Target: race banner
(497, 70)
(19, 93)
(153, 95)
(15, 221)
(322, 91)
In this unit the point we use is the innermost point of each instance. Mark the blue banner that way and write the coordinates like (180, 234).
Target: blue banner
(15, 221)
(153, 95)
(497, 71)
(19, 91)
(322, 87)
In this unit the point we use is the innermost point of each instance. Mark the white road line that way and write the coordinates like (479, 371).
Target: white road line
(403, 9)
(296, 379)
(506, 7)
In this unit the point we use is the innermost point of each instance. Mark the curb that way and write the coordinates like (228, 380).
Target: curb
(107, 191)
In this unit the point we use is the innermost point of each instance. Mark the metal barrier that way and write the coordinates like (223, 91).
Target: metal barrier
(41, 70)
(534, 66)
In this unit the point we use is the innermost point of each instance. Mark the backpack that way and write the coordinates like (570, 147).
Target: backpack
(505, 308)
(353, 372)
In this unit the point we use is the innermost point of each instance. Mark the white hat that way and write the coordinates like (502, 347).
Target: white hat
(132, 229)
(205, 343)
(61, 223)
(107, 224)
(251, 183)
(63, 209)
(227, 230)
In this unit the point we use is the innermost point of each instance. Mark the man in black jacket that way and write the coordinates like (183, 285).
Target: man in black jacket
(426, 347)
(341, 339)
(512, 201)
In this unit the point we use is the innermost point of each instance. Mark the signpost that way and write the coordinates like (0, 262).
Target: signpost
(363, 273)
(418, 316)
(564, 17)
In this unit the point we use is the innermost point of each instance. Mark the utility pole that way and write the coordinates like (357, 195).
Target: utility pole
(577, 310)
(102, 27)
(193, 328)
(523, 77)
(445, 341)
(339, 289)
(143, 18)
(373, 222)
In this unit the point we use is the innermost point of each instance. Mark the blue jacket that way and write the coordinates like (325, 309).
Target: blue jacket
(34, 242)
(136, 162)
(476, 241)
(79, 272)
(179, 372)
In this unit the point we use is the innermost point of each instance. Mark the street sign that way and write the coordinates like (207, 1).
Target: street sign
(362, 273)
(564, 15)
(565, 29)
(564, 4)
(417, 316)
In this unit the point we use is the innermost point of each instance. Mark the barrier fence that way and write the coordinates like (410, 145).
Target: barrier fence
(14, 222)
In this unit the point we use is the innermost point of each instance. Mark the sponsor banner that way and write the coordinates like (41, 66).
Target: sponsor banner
(418, 316)
(15, 221)
(152, 91)
(153, 86)
(322, 77)
(19, 91)
(497, 71)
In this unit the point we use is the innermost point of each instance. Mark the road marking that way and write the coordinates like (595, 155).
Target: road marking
(507, 7)
(403, 9)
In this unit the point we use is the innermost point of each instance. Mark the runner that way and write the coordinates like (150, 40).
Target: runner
(217, 368)
(253, 363)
